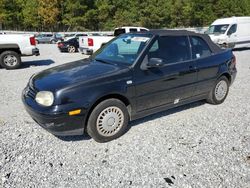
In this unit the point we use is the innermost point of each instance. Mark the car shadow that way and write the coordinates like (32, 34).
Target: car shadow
(139, 121)
(167, 112)
(27, 64)
(241, 49)
(83, 137)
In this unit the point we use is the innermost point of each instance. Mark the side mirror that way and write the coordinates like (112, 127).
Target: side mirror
(155, 62)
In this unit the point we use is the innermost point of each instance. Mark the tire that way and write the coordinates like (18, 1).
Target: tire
(110, 111)
(219, 92)
(52, 42)
(71, 49)
(10, 60)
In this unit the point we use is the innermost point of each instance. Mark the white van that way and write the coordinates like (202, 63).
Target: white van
(231, 32)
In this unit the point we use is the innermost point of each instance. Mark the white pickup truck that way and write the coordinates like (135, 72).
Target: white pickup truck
(12, 47)
(89, 44)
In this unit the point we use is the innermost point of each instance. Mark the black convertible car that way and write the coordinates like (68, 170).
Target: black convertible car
(132, 76)
(70, 45)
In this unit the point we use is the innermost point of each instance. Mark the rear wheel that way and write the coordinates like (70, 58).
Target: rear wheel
(108, 120)
(219, 92)
(71, 49)
(10, 60)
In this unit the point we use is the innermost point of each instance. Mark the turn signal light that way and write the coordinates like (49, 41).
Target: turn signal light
(60, 44)
(75, 112)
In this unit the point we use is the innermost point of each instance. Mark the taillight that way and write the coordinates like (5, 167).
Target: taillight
(32, 41)
(60, 44)
(90, 42)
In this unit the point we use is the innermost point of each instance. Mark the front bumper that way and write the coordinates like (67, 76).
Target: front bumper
(86, 51)
(58, 124)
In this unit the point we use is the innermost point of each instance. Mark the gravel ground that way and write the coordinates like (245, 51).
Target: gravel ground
(198, 145)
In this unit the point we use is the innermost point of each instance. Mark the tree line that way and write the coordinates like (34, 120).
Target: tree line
(83, 15)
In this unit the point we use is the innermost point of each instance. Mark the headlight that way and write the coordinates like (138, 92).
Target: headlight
(45, 98)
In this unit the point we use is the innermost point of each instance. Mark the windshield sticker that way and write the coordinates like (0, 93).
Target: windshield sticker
(140, 39)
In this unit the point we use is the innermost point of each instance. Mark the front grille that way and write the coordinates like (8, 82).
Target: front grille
(31, 92)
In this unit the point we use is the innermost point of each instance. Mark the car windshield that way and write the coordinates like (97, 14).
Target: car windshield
(94, 34)
(58, 35)
(70, 35)
(217, 29)
(122, 50)
(71, 40)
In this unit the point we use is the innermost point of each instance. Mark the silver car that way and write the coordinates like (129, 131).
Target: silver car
(48, 38)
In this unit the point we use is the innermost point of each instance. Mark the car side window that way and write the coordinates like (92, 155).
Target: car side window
(232, 29)
(132, 30)
(200, 48)
(171, 49)
(154, 47)
(81, 35)
(119, 32)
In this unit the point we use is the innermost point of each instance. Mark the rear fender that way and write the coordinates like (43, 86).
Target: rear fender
(10, 47)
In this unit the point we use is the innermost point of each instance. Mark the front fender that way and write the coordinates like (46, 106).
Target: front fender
(84, 96)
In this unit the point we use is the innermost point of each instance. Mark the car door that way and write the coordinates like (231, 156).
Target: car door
(42, 38)
(48, 38)
(206, 64)
(171, 83)
(232, 35)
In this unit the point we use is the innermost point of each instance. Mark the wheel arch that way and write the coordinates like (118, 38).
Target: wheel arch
(227, 75)
(10, 47)
(120, 97)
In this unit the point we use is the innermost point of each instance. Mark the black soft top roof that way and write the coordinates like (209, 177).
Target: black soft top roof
(164, 32)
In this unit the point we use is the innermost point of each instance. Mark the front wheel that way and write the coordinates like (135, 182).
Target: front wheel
(52, 42)
(10, 60)
(219, 92)
(108, 120)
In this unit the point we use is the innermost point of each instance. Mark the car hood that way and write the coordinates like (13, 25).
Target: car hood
(72, 73)
(216, 38)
